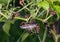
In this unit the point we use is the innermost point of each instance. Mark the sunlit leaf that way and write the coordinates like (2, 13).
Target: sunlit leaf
(53, 0)
(44, 4)
(57, 8)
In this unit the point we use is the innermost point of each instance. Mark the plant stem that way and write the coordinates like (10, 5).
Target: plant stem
(39, 38)
(47, 13)
(21, 18)
(20, 37)
(25, 6)
(41, 13)
(7, 4)
(47, 18)
(58, 35)
(56, 39)
(54, 36)
(36, 12)
(4, 15)
(44, 37)
(39, 19)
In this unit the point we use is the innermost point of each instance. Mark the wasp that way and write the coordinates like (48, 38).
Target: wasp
(29, 27)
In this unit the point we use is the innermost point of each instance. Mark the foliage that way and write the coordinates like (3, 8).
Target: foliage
(43, 14)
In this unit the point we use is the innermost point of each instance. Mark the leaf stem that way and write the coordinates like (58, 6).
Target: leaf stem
(4, 15)
(44, 37)
(7, 4)
(47, 18)
(39, 38)
(25, 6)
(20, 37)
(54, 36)
(21, 18)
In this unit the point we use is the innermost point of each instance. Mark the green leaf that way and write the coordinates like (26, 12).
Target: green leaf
(25, 35)
(0, 7)
(44, 4)
(6, 27)
(57, 8)
(4, 1)
(53, 0)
